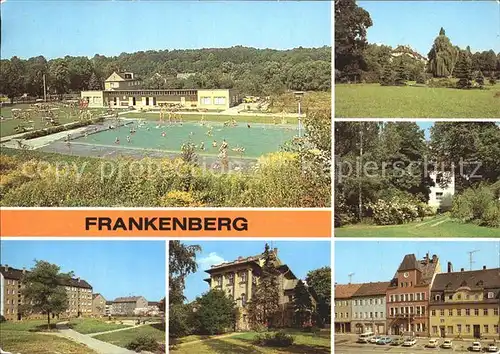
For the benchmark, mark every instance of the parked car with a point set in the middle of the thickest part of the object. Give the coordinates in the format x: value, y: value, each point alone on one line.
x: 476, y: 347
x: 397, y: 341
x: 492, y: 348
x: 409, y: 342
x: 433, y: 343
x: 365, y: 337
x: 447, y: 344
x: 384, y: 340
x: 375, y: 339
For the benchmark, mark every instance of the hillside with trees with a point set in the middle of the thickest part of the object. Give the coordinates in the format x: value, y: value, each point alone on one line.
x: 251, y: 71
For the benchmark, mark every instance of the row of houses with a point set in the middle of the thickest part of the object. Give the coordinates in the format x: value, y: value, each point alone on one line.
x: 124, y: 90
x: 421, y: 299
x: 82, y: 302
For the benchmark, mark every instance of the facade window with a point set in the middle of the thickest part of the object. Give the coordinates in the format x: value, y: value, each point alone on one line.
x: 220, y: 100
x: 491, y: 295
x: 218, y: 280
x: 450, y: 312
x: 243, y: 276
x: 496, y: 329
x: 486, y: 329
x: 433, y: 313
x: 371, y: 301
x: 476, y: 312
x: 459, y: 328
x: 485, y: 312
x: 450, y: 329
x: 459, y: 312
x: 467, y: 328
x: 441, y: 312
x: 243, y: 299
x: 376, y: 314
x: 434, y: 330
x: 206, y: 100
x: 495, y: 311
x: 459, y: 296
x: 467, y: 312
x: 467, y: 297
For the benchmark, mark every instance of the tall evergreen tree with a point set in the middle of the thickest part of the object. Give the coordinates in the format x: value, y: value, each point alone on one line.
x: 387, y: 78
x: 442, y: 56
x: 94, y: 83
x: 302, y: 304
x: 401, y: 75
x: 480, y: 78
x: 463, y: 71
x: 264, y: 303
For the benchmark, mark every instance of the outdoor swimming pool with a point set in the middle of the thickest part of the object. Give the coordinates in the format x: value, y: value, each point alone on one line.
x: 257, y: 140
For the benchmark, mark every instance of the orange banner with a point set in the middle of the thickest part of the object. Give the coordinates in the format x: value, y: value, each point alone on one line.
x: 165, y: 223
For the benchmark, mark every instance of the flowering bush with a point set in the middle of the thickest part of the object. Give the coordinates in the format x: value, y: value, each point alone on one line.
x: 395, y: 211
x: 477, y: 205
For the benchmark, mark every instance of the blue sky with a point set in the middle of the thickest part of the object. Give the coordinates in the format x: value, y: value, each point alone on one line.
x: 300, y: 256
x: 77, y: 27
x: 113, y: 268
x: 379, y: 260
x: 417, y: 23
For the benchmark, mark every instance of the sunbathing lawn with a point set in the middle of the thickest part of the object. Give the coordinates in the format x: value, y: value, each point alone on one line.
x: 304, y: 343
x: 122, y: 338
x: 93, y: 325
x: 440, y: 226
x: 16, y: 337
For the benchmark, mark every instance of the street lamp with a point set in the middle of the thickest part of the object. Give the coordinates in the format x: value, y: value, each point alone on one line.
x: 298, y: 96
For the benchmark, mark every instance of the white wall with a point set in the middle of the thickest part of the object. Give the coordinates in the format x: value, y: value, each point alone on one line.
x: 449, y: 189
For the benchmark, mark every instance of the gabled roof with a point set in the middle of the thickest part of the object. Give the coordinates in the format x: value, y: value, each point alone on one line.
x: 345, y: 291
x: 475, y: 279
x: 97, y: 295
x: 17, y: 274
x: 372, y: 289
x: 127, y: 299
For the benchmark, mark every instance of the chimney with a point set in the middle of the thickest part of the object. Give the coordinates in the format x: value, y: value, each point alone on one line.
x: 461, y: 269
x: 276, y: 251
x: 434, y: 258
x: 6, y: 267
x: 24, y: 270
x: 484, y: 267
x: 450, y: 267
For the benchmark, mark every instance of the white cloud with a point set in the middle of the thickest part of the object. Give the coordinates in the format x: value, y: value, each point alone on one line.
x: 210, y: 260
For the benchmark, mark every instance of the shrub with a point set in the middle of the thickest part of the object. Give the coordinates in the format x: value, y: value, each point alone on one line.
x: 143, y: 343
x: 397, y: 210
x: 446, y: 203
x: 478, y: 205
x: 178, y: 321
x: 274, y: 339
x: 442, y: 82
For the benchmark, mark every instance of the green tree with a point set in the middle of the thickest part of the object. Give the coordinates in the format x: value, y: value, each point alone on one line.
x: 320, y: 281
x: 442, y: 56
x: 59, y: 78
x: 264, y: 303
x: 401, y: 75
x: 182, y: 262
x: 302, y: 304
x: 463, y: 71
x: 94, y: 82
x: 351, y: 24
x: 480, y: 78
x: 12, y: 81
x: 387, y: 78
x: 44, y: 290
x: 215, y: 313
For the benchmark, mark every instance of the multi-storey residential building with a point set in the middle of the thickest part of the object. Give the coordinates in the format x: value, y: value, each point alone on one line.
x: 369, y: 308
x: 239, y: 278
x: 98, y: 305
x: 108, y: 308
x: 128, y: 305
x: 343, y: 306
x: 122, y: 81
x: 466, y: 304
x: 79, y: 294
x: 408, y: 295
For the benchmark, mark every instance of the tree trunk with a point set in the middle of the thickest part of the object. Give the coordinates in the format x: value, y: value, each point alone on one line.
x: 48, y: 320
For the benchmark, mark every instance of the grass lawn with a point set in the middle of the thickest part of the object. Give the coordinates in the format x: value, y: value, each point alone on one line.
x: 16, y: 337
x: 93, y: 325
x: 375, y: 101
x: 122, y: 338
x: 311, y: 100
x: 213, y: 118
x: 440, y: 226
x: 304, y: 343
x: 7, y: 127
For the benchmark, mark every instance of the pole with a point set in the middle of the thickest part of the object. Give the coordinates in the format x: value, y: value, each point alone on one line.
x: 360, y: 199
x: 44, y: 89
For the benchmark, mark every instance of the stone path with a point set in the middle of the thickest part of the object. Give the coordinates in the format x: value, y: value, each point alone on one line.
x: 94, y: 344
x: 208, y: 338
x: 122, y: 329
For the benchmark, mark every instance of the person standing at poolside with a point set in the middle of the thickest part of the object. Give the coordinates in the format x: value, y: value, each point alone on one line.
x: 128, y: 139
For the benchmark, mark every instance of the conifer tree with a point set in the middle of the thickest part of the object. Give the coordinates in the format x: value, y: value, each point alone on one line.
x: 400, y: 79
x: 387, y: 78
x: 480, y: 78
x: 264, y: 303
x: 442, y: 56
x: 463, y: 71
x: 302, y: 304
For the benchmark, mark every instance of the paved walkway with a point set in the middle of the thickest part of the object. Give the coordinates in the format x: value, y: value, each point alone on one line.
x: 208, y: 338
x: 97, y: 345
x: 122, y: 329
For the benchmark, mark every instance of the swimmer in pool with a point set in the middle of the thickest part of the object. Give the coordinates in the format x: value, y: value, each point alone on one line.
x: 202, y: 146
x: 214, y: 144
x: 248, y: 125
x: 117, y: 140
x: 163, y: 134
x: 128, y: 139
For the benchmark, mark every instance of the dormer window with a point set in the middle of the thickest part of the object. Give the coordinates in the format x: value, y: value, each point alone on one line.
x: 438, y: 298
x: 480, y: 283
x: 491, y: 295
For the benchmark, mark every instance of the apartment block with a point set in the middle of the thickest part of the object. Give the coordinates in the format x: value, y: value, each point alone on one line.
x: 369, y: 308
x: 127, y: 306
x: 343, y: 306
x: 79, y: 294
x: 98, y: 305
